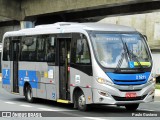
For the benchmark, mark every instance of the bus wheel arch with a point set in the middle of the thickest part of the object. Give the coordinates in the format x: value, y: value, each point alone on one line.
x: 28, y: 93
x: 79, y: 99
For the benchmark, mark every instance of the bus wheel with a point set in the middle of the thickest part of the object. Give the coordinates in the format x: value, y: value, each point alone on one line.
x: 132, y: 107
x: 81, y: 102
x: 29, y: 94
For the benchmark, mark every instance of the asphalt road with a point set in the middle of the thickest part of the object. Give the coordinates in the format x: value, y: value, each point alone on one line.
x: 16, y: 105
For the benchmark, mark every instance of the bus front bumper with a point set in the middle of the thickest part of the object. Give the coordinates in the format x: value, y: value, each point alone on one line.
x: 114, y: 96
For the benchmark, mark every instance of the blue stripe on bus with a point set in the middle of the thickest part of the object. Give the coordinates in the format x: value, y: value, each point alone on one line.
x: 129, y: 79
x: 6, y: 81
x: 28, y: 76
x: 6, y: 76
x: 24, y: 75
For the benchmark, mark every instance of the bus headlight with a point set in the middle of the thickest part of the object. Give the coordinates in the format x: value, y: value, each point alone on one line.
x: 152, y: 80
x: 103, y: 81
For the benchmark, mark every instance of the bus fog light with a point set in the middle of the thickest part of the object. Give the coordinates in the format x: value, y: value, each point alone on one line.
x: 101, y: 99
x: 103, y: 93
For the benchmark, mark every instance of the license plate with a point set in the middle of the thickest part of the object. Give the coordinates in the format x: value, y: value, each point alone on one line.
x: 131, y: 95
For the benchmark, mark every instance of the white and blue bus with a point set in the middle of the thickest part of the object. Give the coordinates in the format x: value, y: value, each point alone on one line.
x: 79, y: 63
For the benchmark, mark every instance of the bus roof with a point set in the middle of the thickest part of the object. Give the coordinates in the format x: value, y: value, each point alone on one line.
x: 65, y: 27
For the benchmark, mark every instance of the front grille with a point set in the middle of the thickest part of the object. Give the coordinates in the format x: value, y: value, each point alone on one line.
x: 129, y: 90
x: 129, y: 82
x: 129, y: 79
x: 129, y: 99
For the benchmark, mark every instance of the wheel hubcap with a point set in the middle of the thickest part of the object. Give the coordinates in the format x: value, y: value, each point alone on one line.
x: 29, y: 94
x: 81, y: 101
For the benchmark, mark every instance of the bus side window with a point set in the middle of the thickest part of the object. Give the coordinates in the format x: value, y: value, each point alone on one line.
x: 28, y: 49
x: 46, y: 49
x: 6, y: 55
x: 41, y: 56
x: 82, y: 51
x: 50, y: 45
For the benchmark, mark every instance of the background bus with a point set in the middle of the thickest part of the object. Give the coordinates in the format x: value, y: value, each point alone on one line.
x: 87, y: 63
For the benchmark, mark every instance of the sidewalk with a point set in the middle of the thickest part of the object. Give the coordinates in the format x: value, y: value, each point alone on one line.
x: 157, y: 92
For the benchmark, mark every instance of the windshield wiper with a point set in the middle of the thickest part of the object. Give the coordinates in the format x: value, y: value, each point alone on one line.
x: 133, y: 56
x: 123, y: 55
x: 120, y: 61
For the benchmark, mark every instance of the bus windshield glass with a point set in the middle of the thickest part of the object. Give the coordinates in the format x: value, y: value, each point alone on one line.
x: 121, y: 50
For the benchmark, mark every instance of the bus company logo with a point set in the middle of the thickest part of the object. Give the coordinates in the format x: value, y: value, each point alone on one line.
x: 6, y: 74
x: 26, y: 73
x: 26, y: 78
x: 77, y: 79
x: 130, y: 87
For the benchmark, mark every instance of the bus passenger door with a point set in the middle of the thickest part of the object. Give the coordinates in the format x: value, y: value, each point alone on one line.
x: 15, y: 57
x: 64, y: 63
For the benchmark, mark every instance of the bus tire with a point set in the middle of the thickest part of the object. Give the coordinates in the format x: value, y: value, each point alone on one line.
x: 29, y: 94
x: 132, y: 107
x: 81, y: 102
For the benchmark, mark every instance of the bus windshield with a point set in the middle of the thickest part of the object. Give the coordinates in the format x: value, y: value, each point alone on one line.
x: 121, y: 50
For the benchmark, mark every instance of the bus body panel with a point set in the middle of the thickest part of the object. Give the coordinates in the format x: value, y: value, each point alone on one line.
x: 36, y: 74
x: 6, y: 75
x: 83, y: 81
x: 88, y: 92
x: 51, y: 92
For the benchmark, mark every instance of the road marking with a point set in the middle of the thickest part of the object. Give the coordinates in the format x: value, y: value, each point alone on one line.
x: 94, y: 118
x: 10, y: 102
x: 26, y: 106
x: 146, y: 110
x: 46, y: 109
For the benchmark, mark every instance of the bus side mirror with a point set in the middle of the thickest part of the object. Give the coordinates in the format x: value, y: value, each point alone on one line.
x: 145, y: 37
